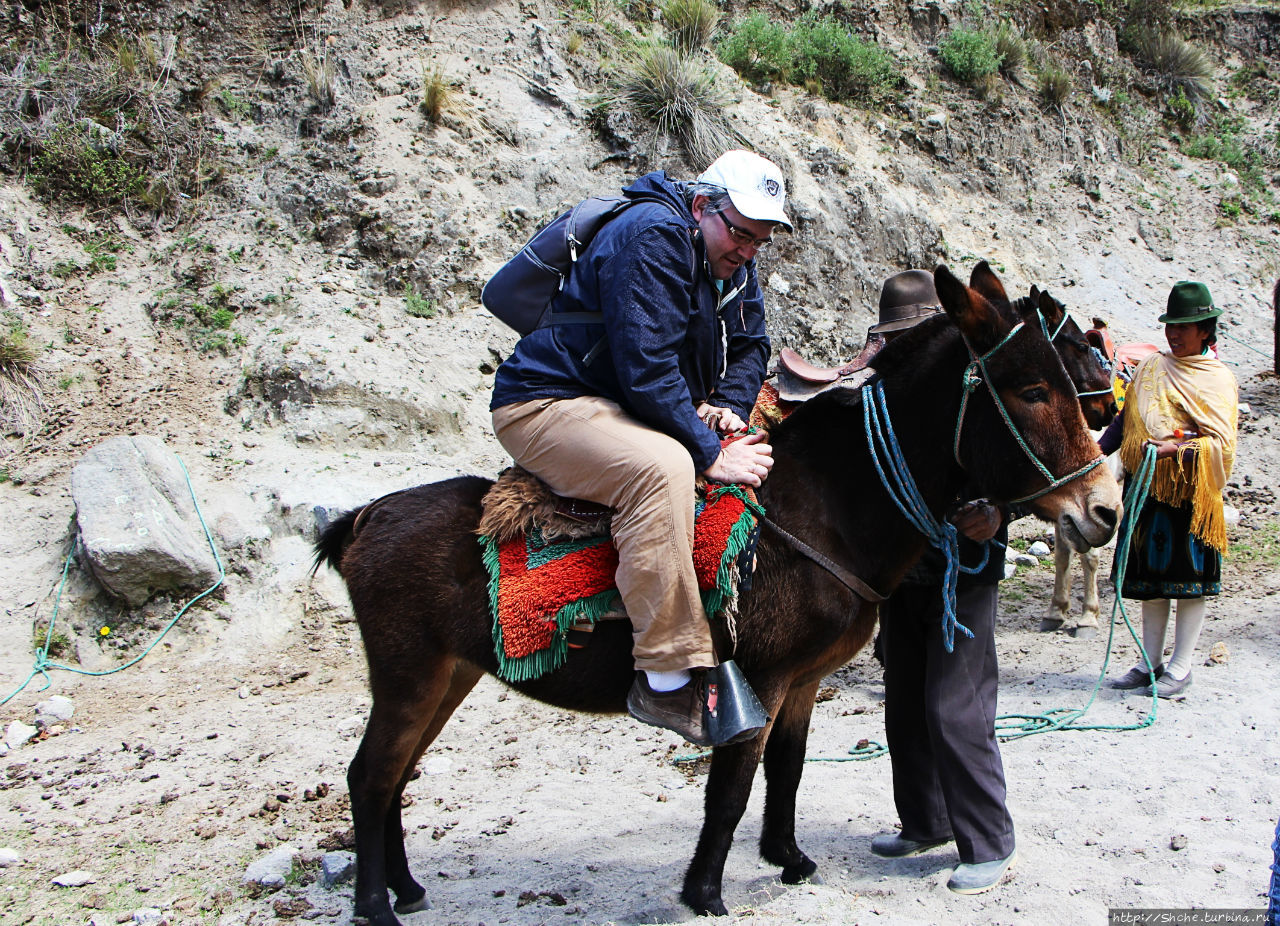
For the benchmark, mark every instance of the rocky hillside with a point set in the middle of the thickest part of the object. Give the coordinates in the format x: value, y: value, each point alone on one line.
x: 259, y: 231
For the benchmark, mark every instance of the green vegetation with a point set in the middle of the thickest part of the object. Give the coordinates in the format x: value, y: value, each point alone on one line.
x: 95, y: 123
x: 970, y: 54
x: 819, y: 53
x: 416, y: 305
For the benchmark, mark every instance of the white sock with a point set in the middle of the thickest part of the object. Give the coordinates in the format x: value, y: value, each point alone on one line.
x: 667, y: 681
x: 1155, y: 618
x: 1186, y: 633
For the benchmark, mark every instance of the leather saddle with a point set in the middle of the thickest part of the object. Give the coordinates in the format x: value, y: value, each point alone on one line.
x: 798, y: 380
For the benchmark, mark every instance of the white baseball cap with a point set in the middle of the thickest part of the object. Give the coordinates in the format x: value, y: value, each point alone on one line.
x: 754, y: 184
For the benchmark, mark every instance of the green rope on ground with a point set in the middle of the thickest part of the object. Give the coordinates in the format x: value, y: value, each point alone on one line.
x: 1016, y: 726
x: 863, y: 750
x: 43, y: 665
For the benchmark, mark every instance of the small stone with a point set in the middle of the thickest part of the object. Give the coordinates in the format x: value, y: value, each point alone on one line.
x: 272, y: 869
x: 17, y: 734
x: 55, y: 710
x: 77, y: 878
x: 1219, y: 867
x: 337, y: 868
x: 351, y: 727
x: 1025, y: 559
x: 1039, y: 548
x: 1231, y: 515
x: 1244, y: 409
x: 1219, y: 655
x: 243, y: 692
x: 1178, y: 843
x: 779, y: 284
x: 148, y: 916
x: 9, y: 857
x: 1010, y: 570
x: 437, y: 765
x: 936, y: 120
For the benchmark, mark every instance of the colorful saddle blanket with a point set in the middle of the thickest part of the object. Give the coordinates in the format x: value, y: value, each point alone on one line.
x: 539, y: 589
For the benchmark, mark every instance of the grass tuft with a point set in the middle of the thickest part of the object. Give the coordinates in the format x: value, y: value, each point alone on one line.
x: 680, y: 96
x: 691, y: 24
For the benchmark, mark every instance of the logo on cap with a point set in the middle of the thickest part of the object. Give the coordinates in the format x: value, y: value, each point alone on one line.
x: 771, y: 186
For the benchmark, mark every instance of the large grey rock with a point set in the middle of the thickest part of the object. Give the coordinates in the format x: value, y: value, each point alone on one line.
x: 138, y: 524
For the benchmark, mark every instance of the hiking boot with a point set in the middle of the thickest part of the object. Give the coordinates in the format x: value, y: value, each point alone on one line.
x: 681, y: 711
x: 1136, y: 678
x: 895, y: 845
x: 976, y: 877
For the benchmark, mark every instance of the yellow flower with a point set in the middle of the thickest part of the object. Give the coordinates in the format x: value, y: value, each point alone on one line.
x: 105, y: 631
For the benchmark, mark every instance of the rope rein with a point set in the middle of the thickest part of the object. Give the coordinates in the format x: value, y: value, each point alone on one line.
x: 882, y: 444
x: 42, y: 664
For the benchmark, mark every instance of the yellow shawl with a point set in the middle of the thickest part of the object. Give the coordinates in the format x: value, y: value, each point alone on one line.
x: 1195, y: 394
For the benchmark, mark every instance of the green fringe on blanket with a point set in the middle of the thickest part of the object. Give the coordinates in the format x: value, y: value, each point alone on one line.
x: 590, y: 610
x: 586, y: 610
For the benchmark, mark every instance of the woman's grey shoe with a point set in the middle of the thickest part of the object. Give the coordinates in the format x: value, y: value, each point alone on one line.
x: 1169, y: 687
x: 1136, y: 678
x: 895, y: 845
x: 980, y: 876
x: 680, y: 711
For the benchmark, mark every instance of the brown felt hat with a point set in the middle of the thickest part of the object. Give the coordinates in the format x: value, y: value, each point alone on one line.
x: 906, y: 299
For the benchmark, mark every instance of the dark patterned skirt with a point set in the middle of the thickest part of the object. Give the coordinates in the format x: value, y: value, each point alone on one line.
x: 1165, y: 559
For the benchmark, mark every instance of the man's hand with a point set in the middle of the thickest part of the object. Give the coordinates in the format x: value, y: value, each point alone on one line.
x: 1165, y: 448
x: 723, y: 420
x: 746, y: 461
x: 978, y: 520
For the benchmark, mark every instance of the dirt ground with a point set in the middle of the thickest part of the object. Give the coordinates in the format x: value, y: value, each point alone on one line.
x: 176, y: 774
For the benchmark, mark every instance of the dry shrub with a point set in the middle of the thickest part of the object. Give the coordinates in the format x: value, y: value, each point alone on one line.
x: 1176, y: 64
x: 437, y: 94
x: 1054, y: 86
x: 1011, y: 46
x: 691, y: 23
x: 679, y: 95
x: 21, y: 399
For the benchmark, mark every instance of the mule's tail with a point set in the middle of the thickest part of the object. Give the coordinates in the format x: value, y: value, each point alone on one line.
x: 334, y: 540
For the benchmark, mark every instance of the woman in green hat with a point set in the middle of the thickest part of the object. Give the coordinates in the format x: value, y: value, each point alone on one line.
x: 1183, y: 402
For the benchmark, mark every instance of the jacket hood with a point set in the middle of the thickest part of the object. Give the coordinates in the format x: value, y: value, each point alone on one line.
x: 657, y: 185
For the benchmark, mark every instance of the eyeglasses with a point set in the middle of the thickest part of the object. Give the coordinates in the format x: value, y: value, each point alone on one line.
x: 742, y: 237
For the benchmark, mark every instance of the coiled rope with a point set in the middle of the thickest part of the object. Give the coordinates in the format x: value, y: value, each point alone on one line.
x: 42, y: 665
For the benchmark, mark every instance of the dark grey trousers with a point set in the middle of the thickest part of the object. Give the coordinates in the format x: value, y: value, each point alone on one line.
x: 939, y: 718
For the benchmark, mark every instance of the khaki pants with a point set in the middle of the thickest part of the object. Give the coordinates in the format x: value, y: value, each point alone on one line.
x: 590, y: 448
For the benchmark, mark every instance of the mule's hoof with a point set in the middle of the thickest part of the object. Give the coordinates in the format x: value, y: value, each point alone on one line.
x: 1085, y: 633
x: 413, y: 906
x: 711, y: 906
x: 801, y: 871
x: 1049, y: 624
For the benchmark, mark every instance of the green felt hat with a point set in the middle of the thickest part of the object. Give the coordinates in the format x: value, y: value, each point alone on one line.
x: 1189, y: 303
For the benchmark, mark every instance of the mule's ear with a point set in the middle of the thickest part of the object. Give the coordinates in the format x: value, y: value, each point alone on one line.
x: 1052, y: 310
x: 977, y: 318
x: 985, y: 281
x: 1035, y: 293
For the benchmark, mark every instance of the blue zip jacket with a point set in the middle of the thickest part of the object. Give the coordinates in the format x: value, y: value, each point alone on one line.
x: 668, y: 339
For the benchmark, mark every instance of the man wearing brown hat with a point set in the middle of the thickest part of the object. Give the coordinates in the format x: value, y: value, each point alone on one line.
x: 940, y: 707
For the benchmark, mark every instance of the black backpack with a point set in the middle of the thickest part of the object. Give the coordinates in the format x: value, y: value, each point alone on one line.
x: 520, y: 293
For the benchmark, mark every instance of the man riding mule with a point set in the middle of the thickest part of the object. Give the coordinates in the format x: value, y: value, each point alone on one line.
x: 836, y: 540
x: 656, y: 341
